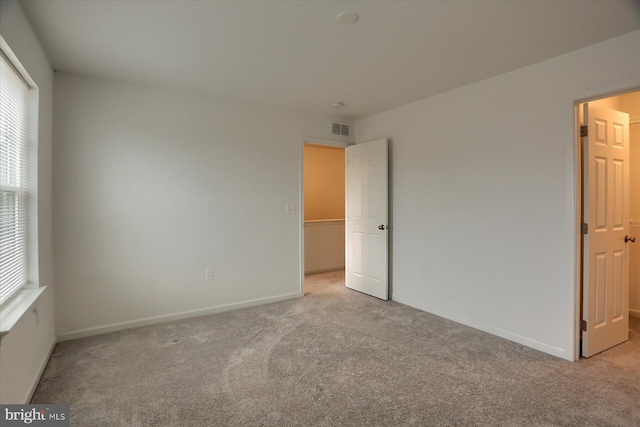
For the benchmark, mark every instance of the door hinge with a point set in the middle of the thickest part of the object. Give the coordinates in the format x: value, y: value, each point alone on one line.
x: 584, y: 131
x: 585, y: 228
x: 583, y: 325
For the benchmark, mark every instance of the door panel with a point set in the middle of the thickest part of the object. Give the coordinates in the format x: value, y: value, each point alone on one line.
x: 367, y: 210
x: 606, y: 210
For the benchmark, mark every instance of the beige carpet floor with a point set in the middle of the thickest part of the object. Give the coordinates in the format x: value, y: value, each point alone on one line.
x: 334, y: 358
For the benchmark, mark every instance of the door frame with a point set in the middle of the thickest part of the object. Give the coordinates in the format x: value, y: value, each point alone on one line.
x: 625, y: 87
x: 315, y: 141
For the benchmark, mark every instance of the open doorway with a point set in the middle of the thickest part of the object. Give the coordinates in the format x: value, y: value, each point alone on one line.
x: 610, y: 280
x: 323, y: 201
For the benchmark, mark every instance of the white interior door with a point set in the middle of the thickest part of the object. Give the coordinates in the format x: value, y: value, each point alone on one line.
x: 606, y: 212
x: 367, y: 218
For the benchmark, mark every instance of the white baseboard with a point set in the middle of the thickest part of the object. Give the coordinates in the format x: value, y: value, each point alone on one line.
x: 36, y: 380
x: 170, y: 317
x: 634, y: 313
x: 537, y: 345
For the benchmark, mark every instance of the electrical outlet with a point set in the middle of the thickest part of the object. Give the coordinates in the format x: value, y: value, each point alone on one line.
x: 423, y: 272
x: 208, y: 274
x: 290, y: 209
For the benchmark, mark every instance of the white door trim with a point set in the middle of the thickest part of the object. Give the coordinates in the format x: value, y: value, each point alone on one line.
x: 593, y: 95
x: 315, y: 141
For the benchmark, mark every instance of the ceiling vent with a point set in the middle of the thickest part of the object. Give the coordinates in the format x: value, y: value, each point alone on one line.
x: 340, y: 129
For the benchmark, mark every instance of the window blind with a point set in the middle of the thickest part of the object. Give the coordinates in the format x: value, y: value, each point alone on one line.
x: 15, y: 139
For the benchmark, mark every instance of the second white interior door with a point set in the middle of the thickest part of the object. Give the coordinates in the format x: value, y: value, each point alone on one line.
x: 367, y: 218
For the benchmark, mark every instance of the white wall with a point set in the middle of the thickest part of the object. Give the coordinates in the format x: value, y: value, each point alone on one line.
x: 25, y: 350
x: 153, y: 186
x: 483, y: 191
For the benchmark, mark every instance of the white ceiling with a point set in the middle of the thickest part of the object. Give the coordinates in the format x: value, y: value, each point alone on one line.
x: 294, y: 54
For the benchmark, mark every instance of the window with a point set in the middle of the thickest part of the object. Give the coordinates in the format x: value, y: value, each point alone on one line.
x: 16, y: 142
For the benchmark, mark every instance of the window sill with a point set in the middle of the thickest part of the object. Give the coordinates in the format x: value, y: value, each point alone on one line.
x: 13, y: 311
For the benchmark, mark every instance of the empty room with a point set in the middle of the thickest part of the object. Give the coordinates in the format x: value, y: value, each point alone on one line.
x: 319, y: 213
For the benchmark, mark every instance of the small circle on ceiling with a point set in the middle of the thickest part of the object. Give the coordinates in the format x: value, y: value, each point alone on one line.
x: 348, y: 18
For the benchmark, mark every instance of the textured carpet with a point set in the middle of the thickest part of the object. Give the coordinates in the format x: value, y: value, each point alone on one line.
x: 334, y: 358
